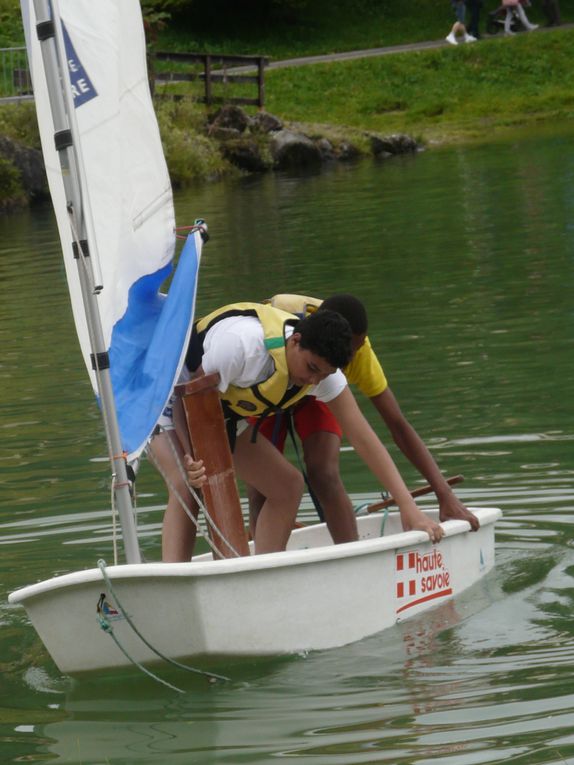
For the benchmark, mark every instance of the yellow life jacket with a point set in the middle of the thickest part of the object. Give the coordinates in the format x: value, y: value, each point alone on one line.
x: 272, y: 394
x: 300, y: 305
x: 364, y: 370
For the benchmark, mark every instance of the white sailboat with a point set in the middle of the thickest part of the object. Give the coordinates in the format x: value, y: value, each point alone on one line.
x: 112, y: 197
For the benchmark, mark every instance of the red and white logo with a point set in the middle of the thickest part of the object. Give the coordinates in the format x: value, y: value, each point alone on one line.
x: 420, y: 577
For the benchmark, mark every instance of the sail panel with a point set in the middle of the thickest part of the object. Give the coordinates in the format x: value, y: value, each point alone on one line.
x: 127, y: 204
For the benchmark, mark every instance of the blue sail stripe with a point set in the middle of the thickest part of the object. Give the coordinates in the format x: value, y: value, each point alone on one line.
x: 147, y: 345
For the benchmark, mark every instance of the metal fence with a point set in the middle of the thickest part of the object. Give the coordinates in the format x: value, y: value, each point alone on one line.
x: 15, y: 84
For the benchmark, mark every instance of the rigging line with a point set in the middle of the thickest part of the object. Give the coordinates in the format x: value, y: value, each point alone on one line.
x: 200, y: 504
x: 114, y: 510
x: 107, y: 627
x: 206, y: 514
x: 172, y: 488
x: 384, y: 521
x: 97, y: 370
x: 114, y: 526
x: 198, y: 500
x: 89, y: 279
x: 314, y: 499
x: 211, y: 523
x: 212, y: 676
x: 196, y: 496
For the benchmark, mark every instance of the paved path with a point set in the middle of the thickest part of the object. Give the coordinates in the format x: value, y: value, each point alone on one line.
x: 386, y: 51
x: 352, y: 54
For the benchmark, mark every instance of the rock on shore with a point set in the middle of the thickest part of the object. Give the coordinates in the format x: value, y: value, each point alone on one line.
x: 24, y: 175
x: 264, y: 142
x: 252, y: 144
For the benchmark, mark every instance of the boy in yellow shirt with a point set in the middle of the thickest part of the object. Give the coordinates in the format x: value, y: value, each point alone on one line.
x: 321, y: 434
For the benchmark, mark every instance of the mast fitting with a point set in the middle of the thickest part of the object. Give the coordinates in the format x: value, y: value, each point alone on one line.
x: 83, y: 246
x: 63, y: 139
x: 45, y: 30
x: 100, y: 361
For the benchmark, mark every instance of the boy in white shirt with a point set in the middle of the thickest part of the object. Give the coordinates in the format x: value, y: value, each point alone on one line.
x: 268, y: 369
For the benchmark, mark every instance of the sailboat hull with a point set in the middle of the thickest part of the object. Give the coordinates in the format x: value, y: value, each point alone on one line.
x: 313, y: 596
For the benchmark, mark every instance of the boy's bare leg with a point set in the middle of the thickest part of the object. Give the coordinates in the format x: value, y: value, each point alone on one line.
x: 178, y: 533
x: 256, y: 501
x: 321, y: 453
x: 263, y: 467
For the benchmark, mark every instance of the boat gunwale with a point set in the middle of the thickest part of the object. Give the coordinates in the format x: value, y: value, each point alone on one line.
x: 283, y: 559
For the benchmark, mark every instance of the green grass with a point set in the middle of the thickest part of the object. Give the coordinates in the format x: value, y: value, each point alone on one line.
x: 444, y: 94
x: 319, y: 26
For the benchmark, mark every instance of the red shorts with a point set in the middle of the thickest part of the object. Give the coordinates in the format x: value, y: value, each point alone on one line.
x: 309, y: 416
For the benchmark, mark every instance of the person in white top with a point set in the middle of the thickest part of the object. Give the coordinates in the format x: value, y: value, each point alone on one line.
x: 235, y: 349
x: 515, y: 7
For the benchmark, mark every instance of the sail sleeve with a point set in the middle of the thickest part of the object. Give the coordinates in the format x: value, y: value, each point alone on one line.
x: 149, y: 345
x: 127, y: 204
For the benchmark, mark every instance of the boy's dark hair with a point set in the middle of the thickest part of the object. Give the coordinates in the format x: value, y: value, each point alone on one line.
x: 328, y: 335
x: 351, y: 308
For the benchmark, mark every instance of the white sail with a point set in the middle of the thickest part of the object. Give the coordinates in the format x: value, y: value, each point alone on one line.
x: 126, y: 201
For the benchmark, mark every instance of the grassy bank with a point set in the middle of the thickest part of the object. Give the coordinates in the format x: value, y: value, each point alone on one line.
x: 462, y: 93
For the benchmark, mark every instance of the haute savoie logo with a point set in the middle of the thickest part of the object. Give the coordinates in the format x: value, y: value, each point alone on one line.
x: 420, y: 577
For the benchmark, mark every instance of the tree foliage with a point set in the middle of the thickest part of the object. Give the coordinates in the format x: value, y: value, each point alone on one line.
x: 11, y: 32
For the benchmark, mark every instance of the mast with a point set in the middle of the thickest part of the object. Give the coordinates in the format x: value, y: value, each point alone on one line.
x: 56, y: 79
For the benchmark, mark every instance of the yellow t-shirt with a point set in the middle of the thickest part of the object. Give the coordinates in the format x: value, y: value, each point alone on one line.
x: 364, y: 371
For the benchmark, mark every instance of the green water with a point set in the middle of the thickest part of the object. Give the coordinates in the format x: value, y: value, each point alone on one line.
x: 464, y: 258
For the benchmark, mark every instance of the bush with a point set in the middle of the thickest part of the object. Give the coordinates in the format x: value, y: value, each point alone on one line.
x: 11, y: 31
x: 190, y: 155
x: 11, y: 191
x: 18, y: 121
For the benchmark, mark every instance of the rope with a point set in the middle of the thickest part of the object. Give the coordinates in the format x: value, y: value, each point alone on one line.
x: 97, y: 370
x: 114, y: 521
x: 314, y: 499
x: 385, y: 516
x: 359, y: 509
x: 170, y: 485
x: 197, y: 499
x: 210, y: 675
x: 107, y: 627
x: 199, y: 225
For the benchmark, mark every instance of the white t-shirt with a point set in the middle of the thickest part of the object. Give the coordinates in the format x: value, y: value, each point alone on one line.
x: 235, y: 348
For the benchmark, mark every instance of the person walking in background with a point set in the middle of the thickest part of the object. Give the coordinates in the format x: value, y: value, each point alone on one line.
x: 512, y: 7
x: 458, y: 32
x: 551, y: 10
x: 474, y: 7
